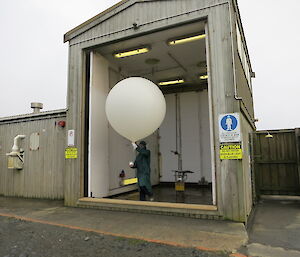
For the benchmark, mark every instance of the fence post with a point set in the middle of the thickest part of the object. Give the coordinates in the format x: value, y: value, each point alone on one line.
x: 255, y: 191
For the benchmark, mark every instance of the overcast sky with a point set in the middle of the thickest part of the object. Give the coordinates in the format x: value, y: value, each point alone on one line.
x: 33, y: 57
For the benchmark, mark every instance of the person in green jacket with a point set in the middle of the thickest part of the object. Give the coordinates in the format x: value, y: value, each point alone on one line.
x: 142, y: 164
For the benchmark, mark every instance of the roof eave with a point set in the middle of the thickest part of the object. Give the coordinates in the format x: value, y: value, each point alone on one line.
x: 75, y: 31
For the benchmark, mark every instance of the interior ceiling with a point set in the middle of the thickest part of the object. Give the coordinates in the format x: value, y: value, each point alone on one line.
x: 186, y: 61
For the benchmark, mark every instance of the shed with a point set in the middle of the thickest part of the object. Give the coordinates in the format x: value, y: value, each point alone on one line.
x: 215, y: 72
x: 195, y: 51
x: 42, y: 147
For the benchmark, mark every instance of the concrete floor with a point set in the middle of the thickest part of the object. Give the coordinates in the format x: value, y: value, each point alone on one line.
x: 275, y: 231
x: 19, y: 238
x: 181, y: 231
x: 165, y: 192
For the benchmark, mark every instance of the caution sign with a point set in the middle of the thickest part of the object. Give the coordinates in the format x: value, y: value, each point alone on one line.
x: 231, y: 152
x: 71, y: 153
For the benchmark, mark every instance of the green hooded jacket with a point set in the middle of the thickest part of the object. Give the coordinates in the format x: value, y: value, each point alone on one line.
x: 142, y: 164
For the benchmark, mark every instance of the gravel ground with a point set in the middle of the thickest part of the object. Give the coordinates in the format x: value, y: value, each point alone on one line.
x: 26, y: 239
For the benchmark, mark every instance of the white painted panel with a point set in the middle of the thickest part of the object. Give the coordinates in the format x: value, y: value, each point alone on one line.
x: 190, y: 131
x: 98, y: 136
x: 120, y: 151
x: 34, y: 141
x: 196, y: 152
x: 152, y: 145
x: 167, y: 142
x: 120, y: 154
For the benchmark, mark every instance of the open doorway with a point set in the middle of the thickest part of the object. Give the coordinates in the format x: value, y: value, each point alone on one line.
x: 176, y: 60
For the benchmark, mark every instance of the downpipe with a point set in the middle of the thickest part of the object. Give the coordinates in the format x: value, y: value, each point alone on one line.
x: 236, y: 97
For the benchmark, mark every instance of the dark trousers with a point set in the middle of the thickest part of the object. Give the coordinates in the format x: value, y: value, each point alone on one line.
x: 143, y: 192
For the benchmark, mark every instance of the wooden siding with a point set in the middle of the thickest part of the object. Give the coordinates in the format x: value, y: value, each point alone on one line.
x: 277, y: 162
x: 152, y: 16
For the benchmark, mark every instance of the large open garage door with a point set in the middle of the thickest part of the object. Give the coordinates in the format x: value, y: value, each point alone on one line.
x: 276, y: 162
x: 176, y: 60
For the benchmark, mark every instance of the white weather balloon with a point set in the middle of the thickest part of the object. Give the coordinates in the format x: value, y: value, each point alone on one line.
x: 135, y: 108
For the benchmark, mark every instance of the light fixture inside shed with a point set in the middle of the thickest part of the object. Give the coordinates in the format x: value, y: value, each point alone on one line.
x: 268, y: 135
x: 132, y: 52
x: 171, y: 82
x: 185, y: 39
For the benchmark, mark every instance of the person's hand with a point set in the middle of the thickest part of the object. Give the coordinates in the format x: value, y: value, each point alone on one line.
x: 134, y: 145
x: 131, y: 164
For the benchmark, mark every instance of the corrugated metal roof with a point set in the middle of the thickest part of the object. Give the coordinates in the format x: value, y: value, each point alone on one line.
x: 34, y: 115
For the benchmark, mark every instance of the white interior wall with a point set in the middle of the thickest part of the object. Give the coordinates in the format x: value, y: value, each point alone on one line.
x: 110, y: 153
x: 205, y: 136
x: 98, y: 125
x: 167, y: 141
x: 121, y: 152
x: 195, y: 137
x: 152, y: 145
x: 190, y: 127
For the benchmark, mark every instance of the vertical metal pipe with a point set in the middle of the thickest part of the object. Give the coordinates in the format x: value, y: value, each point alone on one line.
x: 233, y: 55
x: 201, y: 150
x: 176, y: 122
x: 178, y: 132
x: 90, y: 194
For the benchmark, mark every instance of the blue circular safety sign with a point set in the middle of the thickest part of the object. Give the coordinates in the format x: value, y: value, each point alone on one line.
x: 229, y: 123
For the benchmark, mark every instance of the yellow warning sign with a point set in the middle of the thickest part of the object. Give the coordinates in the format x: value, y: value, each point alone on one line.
x: 231, y: 152
x: 71, y: 153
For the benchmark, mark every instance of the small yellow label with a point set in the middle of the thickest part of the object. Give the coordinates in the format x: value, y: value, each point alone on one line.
x: 231, y: 152
x: 129, y: 181
x: 71, y: 153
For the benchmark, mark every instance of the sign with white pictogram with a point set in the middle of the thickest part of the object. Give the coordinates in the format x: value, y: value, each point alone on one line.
x: 71, y: 137
x: 229, y: 127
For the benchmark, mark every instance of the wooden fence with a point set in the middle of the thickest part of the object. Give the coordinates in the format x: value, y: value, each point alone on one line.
x: 276, y: 162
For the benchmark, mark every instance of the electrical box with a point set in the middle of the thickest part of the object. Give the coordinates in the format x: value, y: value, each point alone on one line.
x: 15, y: 162
x: 15, y: 159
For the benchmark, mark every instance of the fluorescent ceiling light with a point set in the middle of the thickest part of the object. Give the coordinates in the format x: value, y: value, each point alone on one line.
x: 171, y: 82
x: 132, y: 52
x: 205, y: 76
x: 186, y: 39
